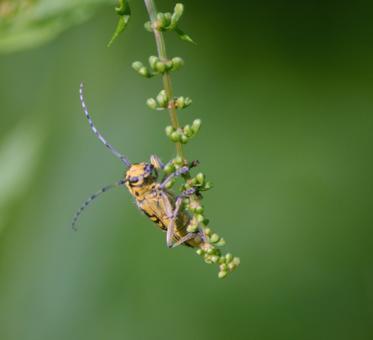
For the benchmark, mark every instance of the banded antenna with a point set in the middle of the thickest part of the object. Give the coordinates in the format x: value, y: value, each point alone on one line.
x: 116, y: 153
x: 92, y: 198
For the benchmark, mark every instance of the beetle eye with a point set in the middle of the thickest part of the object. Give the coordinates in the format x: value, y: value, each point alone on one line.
x: 134, y: 179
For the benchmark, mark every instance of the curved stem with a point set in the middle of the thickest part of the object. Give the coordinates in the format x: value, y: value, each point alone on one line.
x: 167, y: 84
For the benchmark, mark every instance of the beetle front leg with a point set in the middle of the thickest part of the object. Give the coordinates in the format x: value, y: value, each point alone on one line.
x: 179, y: 172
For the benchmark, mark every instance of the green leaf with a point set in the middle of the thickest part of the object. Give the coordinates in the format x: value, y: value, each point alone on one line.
x: 124, y: 11
x: 183, y: 36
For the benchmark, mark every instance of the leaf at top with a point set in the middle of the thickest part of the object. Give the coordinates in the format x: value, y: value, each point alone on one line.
x: 124, y: 12
x: 183, y: 36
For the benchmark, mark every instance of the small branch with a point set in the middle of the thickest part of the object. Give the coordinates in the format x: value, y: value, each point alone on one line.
x: 167, y: 84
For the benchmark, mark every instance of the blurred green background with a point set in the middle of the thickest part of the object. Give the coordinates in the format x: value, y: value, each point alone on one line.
x: 284, y: 89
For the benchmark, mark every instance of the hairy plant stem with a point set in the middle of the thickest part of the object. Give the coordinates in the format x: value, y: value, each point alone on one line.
x: 167, y: 84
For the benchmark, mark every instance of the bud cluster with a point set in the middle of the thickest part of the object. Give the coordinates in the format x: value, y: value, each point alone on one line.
x: 166, y: 21
x: 183, y: 135
x: 157, y: 66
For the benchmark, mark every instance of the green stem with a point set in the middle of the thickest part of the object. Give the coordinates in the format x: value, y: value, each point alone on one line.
x: 167, y: 84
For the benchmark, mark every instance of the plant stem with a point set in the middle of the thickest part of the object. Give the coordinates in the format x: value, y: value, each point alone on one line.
x: 167, y: 84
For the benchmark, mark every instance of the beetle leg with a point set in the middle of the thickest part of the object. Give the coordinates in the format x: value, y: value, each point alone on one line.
x: 156, y: 162
x: 171, y: 227
x: 183, y: 170
x: 185, y: 238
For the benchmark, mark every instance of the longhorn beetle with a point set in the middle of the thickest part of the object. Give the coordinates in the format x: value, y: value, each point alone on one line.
x: 151, y: 195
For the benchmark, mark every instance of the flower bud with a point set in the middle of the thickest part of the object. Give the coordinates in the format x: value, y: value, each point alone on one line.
x: 207, y: 231
x: 222, y: 274
x: 192, y: 228
x: 221, y: 243
x: 169, y: 129
x: 177, y: 63
x: 188, y: 131
x: 169, y: 167
x: 196, y: 125
x: 151, y: 102
x: 178, y: 12
x: 229, y: 257
x: 214, y: 238
x: 137, y: 65
x: 200, y: 177
x: 144, y: 72
x: 167, y: 17
x: 184, y: 139
x: 162, y: 21
x: 200, y: 252
x: 148, y: 26
x: 175, y: 136
x: 178, y: 161
x: 179, y: 103
x: 162, y: 99
x: 160, y: 67
x: 188, y: 102
x: 152, y: 61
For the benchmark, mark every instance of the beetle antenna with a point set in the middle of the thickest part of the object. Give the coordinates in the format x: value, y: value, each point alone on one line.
x: 91, y: 198
x: 98, y: 134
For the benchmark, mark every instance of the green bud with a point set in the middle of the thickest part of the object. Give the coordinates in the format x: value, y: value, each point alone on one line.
x: 162, y: 99
x: 222, y: 274
x: 175, y: 136
x: 200, y: 218
x: 188, y: 131
x: 178, y: 160
x: 169, y: 167
x: 178, y: 12
x: 199, y: 209
x: 168, y: 65
x: 148, y: 26
x: 196, y: 125
x: 152, y: 61
x: 162, y: 21
x: 168, y: 17
x: 200, y: 252
x: 188, y: 102
x: 179, y: 103
x: 151, y: 102
x: 200, y: 177
x: 236, y: 261
x: 206, y: 221
x: 207, y: 231
x: 214, y: 238
x: 169, y: 129
x: 221, y: 243
x: 137, y: 65
x: 144, y: 72
x: 229, y: 257
x: 207, y: 186
x: 160, y: 67
x: 177, y: 63
x: 192, y: 228
x: 184, y: 139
